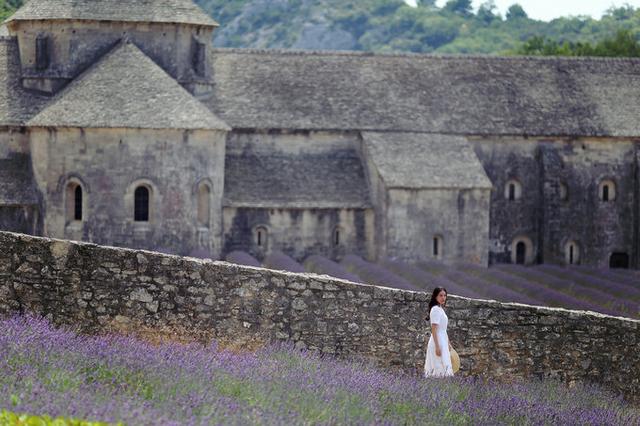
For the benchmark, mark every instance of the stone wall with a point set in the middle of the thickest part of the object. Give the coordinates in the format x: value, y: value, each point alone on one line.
x: 458, y: 218
x: 549, y: 221
x: 109, y: 164
x: 75, y: 45
x: 94, y: 287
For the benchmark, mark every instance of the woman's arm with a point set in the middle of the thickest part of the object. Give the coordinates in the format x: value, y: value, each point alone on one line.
x: 434, y: 330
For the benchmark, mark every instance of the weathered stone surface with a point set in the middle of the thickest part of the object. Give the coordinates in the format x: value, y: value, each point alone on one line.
x: 494, y: 340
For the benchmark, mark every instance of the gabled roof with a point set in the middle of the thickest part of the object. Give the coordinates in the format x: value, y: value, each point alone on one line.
x: 166, y: 11
x: 17, y: 187
x: 126, y: 89
x: 425, y: 161
x: 466, y: 95
x: 16, y: 104
x: 323, y: 180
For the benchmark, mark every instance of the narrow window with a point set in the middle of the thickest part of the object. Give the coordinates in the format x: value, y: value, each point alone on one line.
x: 204, y: 201
x: 607, y: 191
x: 436, y: 247
x: 336, y: 237
x: 77, y: 207
x: 521, y: 253
x: 73, y: 202
x: 512, y: 190
x: 42, y: 53
x: 141, y: 204
x: 198, y: 59
x: 261, y: 236
x: 571, y: 260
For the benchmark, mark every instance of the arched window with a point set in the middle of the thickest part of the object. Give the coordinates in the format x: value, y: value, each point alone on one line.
x: 260, y: 236
x: 74, y: 202
x: 513, y: 190
x: 607, y: 191
x: 563, y: 191
x: 572, y: 253
x: 204, y: 205
x: 522, y: 251
x: 619, y: 260
x: 141, y: 204
x: 436, y: 247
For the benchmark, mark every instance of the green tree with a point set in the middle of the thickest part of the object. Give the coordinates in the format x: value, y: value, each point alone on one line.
x: 487, y: 12
x: 426, y: 3
x: 462, y: 7
x: 516, y: 11
x: 623, y: 44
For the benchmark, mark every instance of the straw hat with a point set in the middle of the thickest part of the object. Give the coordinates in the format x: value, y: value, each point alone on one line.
x: 455, y: 360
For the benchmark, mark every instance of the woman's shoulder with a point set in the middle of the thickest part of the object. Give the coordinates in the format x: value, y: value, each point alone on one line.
x: 436, y: 308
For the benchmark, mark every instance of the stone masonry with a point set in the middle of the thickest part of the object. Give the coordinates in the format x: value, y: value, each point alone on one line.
x: 91, y: 287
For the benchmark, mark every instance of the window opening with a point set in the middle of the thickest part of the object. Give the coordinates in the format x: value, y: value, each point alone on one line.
x: 521, y: 253
x: 42, y: 52
x: 77, y: 211
x: 141, y: 204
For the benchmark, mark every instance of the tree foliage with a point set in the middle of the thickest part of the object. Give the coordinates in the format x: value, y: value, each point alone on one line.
x: 392, y: 25
x: 623, y: 44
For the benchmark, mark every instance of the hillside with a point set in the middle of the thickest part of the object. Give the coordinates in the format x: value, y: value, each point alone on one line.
x: 391, y: 25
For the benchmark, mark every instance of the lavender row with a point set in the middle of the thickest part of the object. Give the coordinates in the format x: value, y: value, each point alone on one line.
x: 322, y: 265
x: 592, y: 278
x: 372, y: 273
x: 279, y: 260
x: 544, y: 286
x: 497, y: 277
x: 489, y: 289
x: 608, y: 302
x: 242, y: 258
x: 426, y: 280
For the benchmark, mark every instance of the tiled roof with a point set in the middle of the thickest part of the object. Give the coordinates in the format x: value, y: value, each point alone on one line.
x: 167, y: 11
x: 16, y: 104
x: 126, y: 89
x: 425, y: 161
x: 329, y: 180
x: 479, y: 95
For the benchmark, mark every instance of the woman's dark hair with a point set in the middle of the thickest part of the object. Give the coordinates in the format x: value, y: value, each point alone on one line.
x: 433, y: 302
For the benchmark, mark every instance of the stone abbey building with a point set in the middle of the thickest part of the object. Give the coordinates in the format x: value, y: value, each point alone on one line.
x: 121, y: 125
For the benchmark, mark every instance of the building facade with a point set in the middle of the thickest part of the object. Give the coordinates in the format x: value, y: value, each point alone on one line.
x: 121, y: 125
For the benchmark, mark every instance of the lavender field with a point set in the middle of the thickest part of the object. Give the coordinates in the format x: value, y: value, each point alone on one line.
x: 612, y: 292
x: 53, y: 372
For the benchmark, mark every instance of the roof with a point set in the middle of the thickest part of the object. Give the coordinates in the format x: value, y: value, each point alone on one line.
x: 321, y: 180
x: 165, y: 11
x: 16, y: 181
x: 16, y: 104
x: 467, y: 95
x: 126, y: 89
x: 425, y: 161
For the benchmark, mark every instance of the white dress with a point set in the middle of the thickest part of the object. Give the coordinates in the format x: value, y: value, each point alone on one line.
x: 438, y: 366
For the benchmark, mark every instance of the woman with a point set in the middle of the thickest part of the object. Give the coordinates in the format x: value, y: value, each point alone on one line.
x: 438, y: 362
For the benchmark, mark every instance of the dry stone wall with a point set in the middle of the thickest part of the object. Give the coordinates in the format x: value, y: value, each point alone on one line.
x: 93, y: 287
